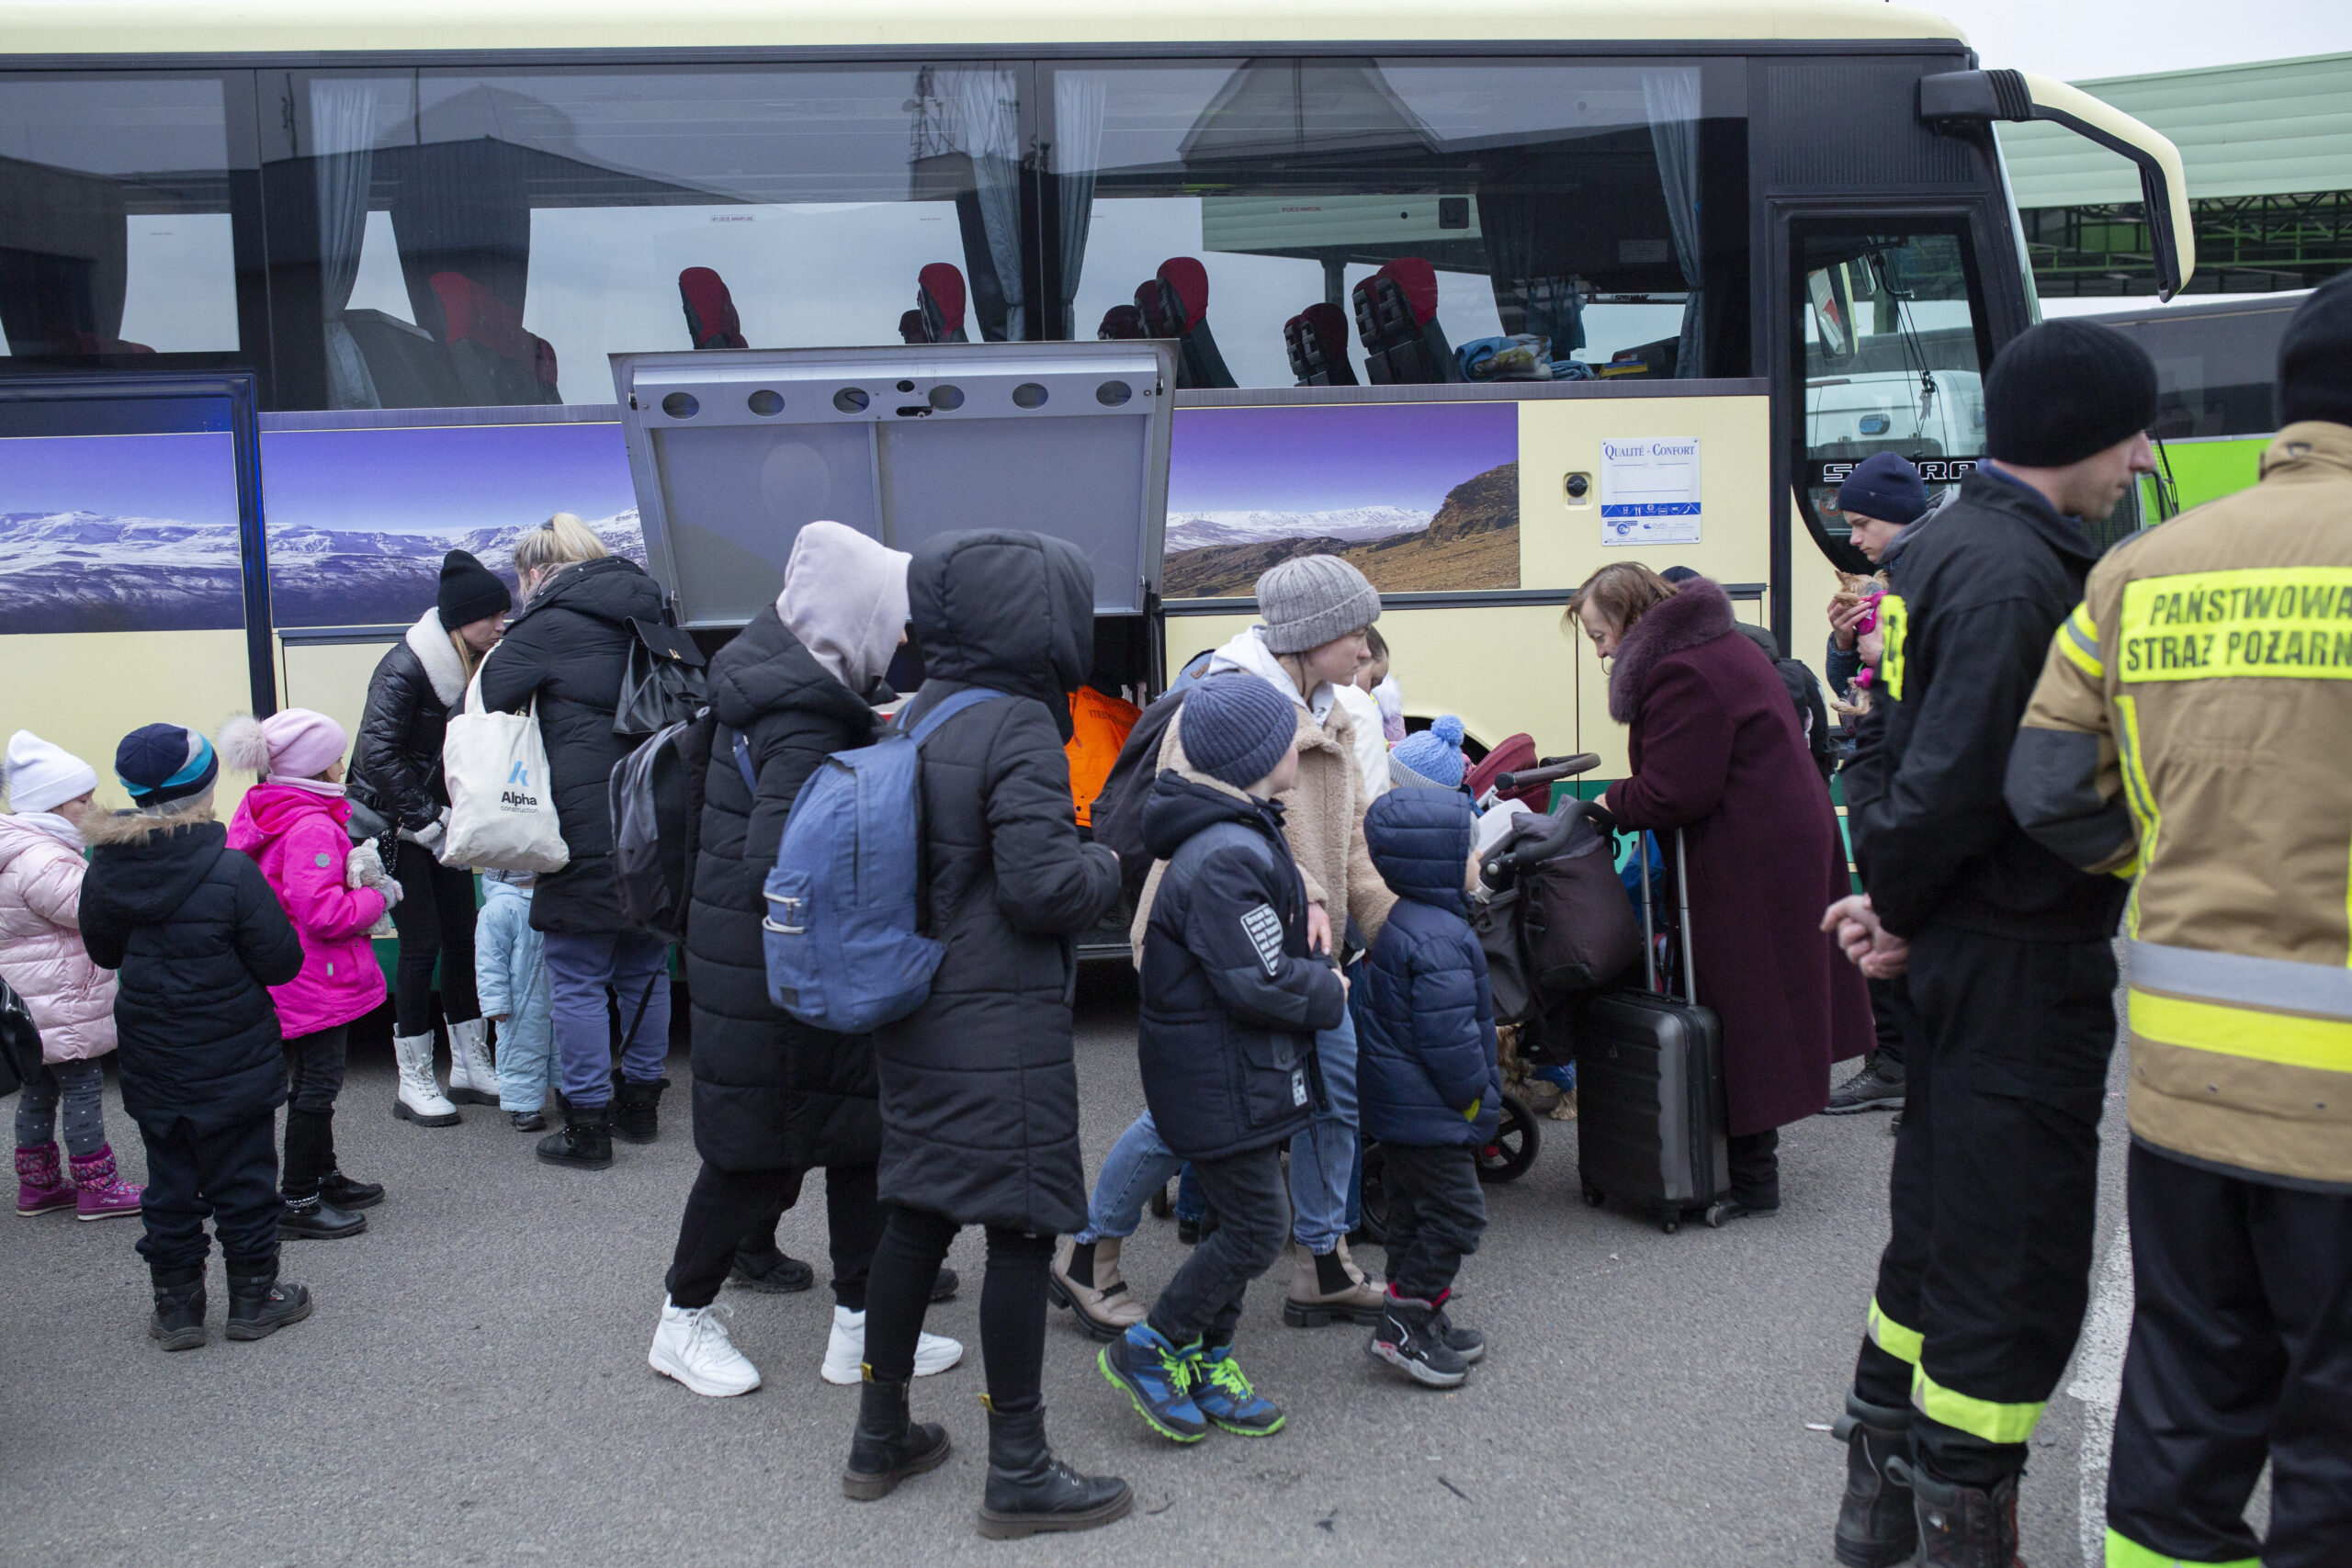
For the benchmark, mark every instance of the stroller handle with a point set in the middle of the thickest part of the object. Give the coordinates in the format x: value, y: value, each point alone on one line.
x: 1553, y: 770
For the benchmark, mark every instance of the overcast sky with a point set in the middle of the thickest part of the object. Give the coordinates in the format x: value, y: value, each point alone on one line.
x: 2075, y: 39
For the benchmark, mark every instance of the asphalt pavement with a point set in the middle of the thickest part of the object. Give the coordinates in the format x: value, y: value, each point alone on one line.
x: 472, y: 1387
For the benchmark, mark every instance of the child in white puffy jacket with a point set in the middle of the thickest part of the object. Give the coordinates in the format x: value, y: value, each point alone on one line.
x: 511, y: 973
x: 71, y: 998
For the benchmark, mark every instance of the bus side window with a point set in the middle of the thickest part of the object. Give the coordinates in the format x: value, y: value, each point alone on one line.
x: 1541, y: 220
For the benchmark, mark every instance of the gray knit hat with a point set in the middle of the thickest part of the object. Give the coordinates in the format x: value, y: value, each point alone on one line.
x: 1235, y: 726
x: 1309, y: 600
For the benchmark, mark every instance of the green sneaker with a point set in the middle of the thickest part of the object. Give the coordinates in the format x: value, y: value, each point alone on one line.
x: 1222, y: 1391
x: 1158, y: 1378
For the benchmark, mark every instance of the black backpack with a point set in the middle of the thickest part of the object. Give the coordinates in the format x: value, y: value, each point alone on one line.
x: 663, y: 682
x: 1118, y: 810
x: 656, y: 798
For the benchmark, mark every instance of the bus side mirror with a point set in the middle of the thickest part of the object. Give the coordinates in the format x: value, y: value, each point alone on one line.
x: 1954, y: 98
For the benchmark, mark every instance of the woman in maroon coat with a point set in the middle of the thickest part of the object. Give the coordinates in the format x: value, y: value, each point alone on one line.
x: 1717, y: 751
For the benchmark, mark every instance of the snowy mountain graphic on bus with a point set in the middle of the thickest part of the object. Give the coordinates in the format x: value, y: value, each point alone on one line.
x: 84, y: 571
x: 1198, y: 530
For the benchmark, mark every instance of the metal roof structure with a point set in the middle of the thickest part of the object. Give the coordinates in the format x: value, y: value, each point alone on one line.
x: 2276, y: 127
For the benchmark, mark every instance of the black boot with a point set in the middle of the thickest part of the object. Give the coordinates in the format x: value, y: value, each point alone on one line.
x: 637, y: 1109
x: 1029, y: 1490
x: 585, y: 1143
x: 259, y: 1306
x: 888, y: 1447
x: 1962, y: 1527
x: 1875, y: 1525
x: 339, y: 1190
x: 773, y: 1271
x: 312, y: 1218
x: 178, y: 1323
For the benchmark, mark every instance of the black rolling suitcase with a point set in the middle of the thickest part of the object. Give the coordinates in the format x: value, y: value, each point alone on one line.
x: 1650, y: 1126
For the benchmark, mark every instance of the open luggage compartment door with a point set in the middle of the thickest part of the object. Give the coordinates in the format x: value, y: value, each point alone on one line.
x: 732, y: 451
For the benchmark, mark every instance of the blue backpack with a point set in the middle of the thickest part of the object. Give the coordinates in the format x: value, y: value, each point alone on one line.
x: 842, y: 950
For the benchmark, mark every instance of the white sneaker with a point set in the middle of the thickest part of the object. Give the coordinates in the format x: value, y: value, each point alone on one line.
x: 691, y: 1344
x: 846, y: 1351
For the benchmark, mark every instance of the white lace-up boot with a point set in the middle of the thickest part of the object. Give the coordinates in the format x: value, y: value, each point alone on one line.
x: 846, y: 1351
x: 473, y: 1080
x: 691, y: 1344
x: 420, y: 1098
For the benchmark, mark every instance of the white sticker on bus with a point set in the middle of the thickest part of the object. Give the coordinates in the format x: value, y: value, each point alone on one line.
x: 1649, y: 491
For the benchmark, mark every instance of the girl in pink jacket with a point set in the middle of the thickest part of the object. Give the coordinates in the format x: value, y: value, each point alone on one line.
x: 71, y: 999
x: 294, y: 823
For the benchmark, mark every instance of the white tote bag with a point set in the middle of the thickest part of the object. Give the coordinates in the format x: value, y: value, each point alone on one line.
x: 501, y: 804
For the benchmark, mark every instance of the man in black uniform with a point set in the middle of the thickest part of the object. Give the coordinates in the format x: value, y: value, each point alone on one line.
x: 2007, y: 972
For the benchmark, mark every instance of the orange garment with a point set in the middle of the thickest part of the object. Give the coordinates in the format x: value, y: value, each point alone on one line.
x: 1098, y: 727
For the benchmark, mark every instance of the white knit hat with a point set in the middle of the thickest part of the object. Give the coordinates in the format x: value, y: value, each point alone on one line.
x: 42, y: 777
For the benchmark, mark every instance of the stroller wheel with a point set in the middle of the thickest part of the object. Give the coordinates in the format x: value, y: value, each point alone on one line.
x: 1518, y: 1136
x: 1713, y: 1216
x: 1670, y: 1224
x: 1373, y: 1165
x: 1163, y: 1203
x: 1595, y: 1197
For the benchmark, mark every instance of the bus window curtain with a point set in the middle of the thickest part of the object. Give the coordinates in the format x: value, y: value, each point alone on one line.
x: 987, y: 120
x: 342, y: 134
x: 1670, y: 99
x: 1079, y: 100
x: 1527, y: 227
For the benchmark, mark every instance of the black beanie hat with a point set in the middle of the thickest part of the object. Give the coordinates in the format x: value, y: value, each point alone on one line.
x: 469, y: 592
x: 1884, y: 488
x: 2064, y: 390
x: 2316, y: 356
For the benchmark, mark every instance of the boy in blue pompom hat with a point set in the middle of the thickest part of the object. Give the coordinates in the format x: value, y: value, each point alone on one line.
x: 198, y: 937
x: 1431, y: 759
x: 1232, y: 1000
x: 1428, y: 1075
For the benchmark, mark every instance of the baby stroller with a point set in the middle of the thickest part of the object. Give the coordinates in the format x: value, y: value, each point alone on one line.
x: 1547, y: 921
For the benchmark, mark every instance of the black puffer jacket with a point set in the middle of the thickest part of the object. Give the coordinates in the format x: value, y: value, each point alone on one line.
x: 979, y: 1091
x: 199, y: 939
x: 570, y: 646
x: 770, y: 1092
x: 396, y: 763
x: 1231, y: 1000
x: 1976, y: 601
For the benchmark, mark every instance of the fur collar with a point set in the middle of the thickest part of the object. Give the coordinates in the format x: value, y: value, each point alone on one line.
x: 1699, y: 613
x: 429, y: 641
x: 137, y: 826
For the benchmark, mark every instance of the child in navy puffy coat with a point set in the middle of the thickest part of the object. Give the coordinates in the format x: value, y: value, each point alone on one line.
x: 1232, y: 1000
x: 1426, y: 1075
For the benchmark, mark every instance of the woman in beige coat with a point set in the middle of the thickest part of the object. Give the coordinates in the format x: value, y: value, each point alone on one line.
x: 71, y: 998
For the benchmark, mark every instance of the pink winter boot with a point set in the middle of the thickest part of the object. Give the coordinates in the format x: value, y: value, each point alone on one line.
x: 41, y: 1185
x: 104, y: 1196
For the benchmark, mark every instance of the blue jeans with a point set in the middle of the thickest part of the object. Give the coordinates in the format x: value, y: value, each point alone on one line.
x: 1323, y: 1158
x: 579, y: 968
x: 1139, y: 1165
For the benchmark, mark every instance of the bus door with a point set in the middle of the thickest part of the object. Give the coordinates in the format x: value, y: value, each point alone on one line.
x: 132, y: 585
x: 1886, y: 329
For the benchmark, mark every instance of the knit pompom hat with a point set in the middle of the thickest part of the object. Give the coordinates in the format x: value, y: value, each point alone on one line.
x: 1235, y: 726
x: 292, y: 743
x: 1311, y: 600
x: 1431, y: 759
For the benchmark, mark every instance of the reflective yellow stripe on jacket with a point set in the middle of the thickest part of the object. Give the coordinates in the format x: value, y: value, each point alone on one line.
x: 2266, y: 1009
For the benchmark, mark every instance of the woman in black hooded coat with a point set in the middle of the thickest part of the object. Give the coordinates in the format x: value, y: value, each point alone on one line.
x: 979, y: 1085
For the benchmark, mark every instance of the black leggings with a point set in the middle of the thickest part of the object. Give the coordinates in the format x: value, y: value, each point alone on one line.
x: 1012, y: 1304
x: 729, y: 1210
x: 436, y: 921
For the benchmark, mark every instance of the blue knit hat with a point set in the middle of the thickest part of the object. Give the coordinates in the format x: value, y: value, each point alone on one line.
x: 1886, y: 488
x: 161, y: 764
x: 1431, y: 758
x: 1235, y: 726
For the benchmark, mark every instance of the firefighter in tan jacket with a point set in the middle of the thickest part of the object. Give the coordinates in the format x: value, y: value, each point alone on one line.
x: 2193, y: 729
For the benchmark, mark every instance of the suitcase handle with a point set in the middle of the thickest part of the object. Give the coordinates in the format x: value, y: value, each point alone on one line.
x: 1682, y: 895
